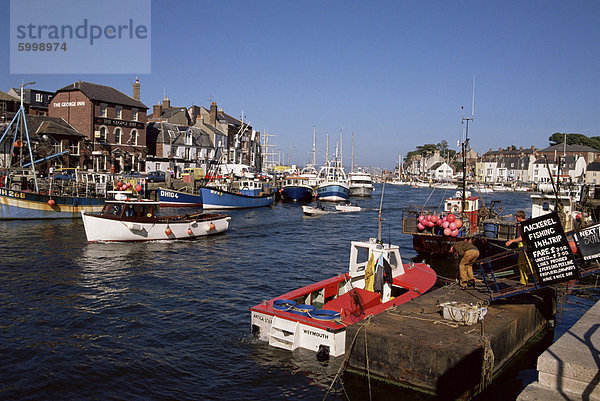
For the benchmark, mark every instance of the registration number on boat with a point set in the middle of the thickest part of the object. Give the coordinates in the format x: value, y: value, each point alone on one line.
x: 12, y: 194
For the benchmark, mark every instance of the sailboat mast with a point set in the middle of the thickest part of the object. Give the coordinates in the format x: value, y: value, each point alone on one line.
x: 465, y: 146
x: 314, y: 149
x: 352, y: 167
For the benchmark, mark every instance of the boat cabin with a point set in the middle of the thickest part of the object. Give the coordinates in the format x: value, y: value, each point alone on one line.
x: 125, y: 209
x: 471, y: 210
x: 247, y: 187
x: 361, y: 252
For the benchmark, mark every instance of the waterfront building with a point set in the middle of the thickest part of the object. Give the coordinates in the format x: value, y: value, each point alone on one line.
x: 592, y: 173
x: 52, y: 138
x: 114, y: 124
x: 35, y: 101
x: 441, y: 172
x: 176, y: 147
x: 8, y: 104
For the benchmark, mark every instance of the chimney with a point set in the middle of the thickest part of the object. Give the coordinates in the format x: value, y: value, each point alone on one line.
x: 136, y: 89
x: 166, y: 104
x: 156, y: 111
x: 213, y: 114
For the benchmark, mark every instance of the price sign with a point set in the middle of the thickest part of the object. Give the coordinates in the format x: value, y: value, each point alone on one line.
x: 549, y: 250
x: 588, y: 242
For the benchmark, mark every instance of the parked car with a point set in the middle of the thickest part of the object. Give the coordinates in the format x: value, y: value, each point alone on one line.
x: 156, y: 176
x: 64, y: 175
x: 131, y: 174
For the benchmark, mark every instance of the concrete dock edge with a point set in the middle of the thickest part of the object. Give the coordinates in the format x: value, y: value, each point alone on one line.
x: 570, y: 368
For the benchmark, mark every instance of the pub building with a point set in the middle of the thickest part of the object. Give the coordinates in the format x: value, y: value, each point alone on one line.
x: 114, y: 123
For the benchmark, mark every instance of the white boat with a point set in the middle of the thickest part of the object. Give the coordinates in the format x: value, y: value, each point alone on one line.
x: 314, y: 211
x: 360, y: 183
x: 348, y: 208
x: 139, y: 220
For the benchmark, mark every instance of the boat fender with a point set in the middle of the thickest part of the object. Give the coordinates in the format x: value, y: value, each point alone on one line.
x: 168, y: 231
x: 134, y: 227
x: 189, y: 231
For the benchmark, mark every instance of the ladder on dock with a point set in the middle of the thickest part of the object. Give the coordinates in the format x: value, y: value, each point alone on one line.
x: 284, y: 333
x: 500, y: 274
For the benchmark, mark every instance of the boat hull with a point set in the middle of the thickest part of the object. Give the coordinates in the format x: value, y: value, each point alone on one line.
x: 103, y: 229
x: 24, y: 205
x: 172, y: 198
x: 336, y: 192
x: 361, y: 191
x: 297, y: 194
x: 217, y: 199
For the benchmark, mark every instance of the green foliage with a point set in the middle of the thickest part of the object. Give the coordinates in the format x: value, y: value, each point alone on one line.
x: 574, y: 139
x: 430, y: 148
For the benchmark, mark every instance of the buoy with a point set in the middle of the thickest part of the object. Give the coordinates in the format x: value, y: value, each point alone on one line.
x: 18, y: 143
x: 138, y: 188
x: 452, y: 226
x: 450, y: 217
x: 168, y: 231
x: 458, y: 223
x: 51, y: 202
x: 420, y: 226
x: 447, y: 231
x: 446, y: 224
x: 189, y: 231
x: 454, y: 233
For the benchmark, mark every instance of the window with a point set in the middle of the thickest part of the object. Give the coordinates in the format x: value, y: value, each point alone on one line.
x: 103, y: 107
x: 74, y: 148
x: 119, y: 112
x: 118, y: 135
x: 134, y: 114
x: 188, y: 138
x: 38, y: 97
x: 102, y: 136
x: 134, y: 137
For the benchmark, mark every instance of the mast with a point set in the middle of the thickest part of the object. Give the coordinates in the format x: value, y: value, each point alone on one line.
x: 379, y: 216
x: 352, y: 166
x: 314, y: 149
x: 465, y: 146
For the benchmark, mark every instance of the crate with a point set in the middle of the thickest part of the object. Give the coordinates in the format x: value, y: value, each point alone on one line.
x: 463, y: 313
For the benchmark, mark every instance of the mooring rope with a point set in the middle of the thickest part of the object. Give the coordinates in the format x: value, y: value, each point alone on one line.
x: 362, y: 325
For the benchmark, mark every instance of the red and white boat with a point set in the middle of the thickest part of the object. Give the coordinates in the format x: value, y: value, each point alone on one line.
x: 315, y: 317
x: 139, y: 220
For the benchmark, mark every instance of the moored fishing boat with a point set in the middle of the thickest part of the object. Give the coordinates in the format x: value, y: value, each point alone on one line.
x: 315, y: 317
x: 139, y: 220
x: 218, y: 198
x: 296, y: 188
x: 173, y: 198
x: 333, y: 184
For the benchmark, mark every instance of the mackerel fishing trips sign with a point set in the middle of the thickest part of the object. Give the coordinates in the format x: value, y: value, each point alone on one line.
x: 549, y: 250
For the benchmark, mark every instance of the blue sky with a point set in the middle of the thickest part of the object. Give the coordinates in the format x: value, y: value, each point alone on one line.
x: 394, y: 73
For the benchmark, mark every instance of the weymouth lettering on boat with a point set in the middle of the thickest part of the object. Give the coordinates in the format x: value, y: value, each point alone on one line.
x: 315, y: 334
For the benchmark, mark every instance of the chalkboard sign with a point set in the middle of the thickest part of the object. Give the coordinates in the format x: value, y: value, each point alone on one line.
x: 549, y: 250
x: 588, y: 242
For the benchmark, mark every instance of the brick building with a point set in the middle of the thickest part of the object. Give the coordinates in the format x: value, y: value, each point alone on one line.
x: 114, y: 123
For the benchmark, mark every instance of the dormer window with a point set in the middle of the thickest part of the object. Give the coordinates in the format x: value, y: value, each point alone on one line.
x: 103, y: 108
x: 119, y: 112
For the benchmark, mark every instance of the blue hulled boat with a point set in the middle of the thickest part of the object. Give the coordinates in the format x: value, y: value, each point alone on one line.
x: 333, y: 184
x: 23, y: 205
x: 172, y: 198
x: 216, y: 198
x: 296, y: 189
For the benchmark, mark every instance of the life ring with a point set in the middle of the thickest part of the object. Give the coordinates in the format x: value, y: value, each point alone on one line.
x: 454, y: 208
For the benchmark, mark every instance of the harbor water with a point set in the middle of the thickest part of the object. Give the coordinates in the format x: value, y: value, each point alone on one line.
x: 171, y: 320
